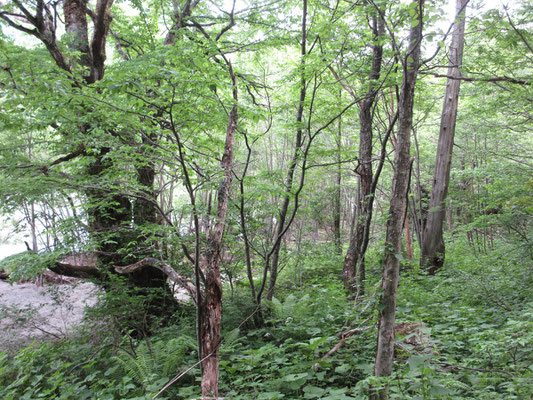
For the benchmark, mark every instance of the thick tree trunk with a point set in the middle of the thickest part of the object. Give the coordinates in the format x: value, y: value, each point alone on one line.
x: 145, y: 212
x: 355, y: 255
x: 211, y: 307
x: 145, y: 209
x: 433, y: 249
x: 76, y: 27
x: 109, y: 214
x: 398, y: 206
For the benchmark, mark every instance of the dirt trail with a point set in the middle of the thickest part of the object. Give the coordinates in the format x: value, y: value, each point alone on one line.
x: 29, y: 312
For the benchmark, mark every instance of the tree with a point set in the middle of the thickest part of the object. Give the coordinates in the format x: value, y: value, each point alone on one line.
x: 211, y: 305
x: 432, y: 250
x: 143, y: 147
x: 282, y: 227
x: 398, y: 202
x: 109, y: 212
x: 354, y: 262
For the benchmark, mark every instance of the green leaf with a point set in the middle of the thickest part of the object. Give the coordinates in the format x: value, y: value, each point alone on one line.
x: 315, y: 342
x: 415, y: 361
x: 295, y: 377
x: 439, y: 390
x: 313, y: 392
x: 270, y: 396
x: 342, y: 369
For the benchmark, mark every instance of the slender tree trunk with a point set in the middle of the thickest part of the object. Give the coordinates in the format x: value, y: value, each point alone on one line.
x: 433, y: 249
x: 212, y: 299
x: 408, y: 243
x: 280, y: 230
x: 244, y: 229
x: 337, y: 195
x: 398, y: 205
x: 33, y: 226
x: 416, y: 210
x: 355, y: 254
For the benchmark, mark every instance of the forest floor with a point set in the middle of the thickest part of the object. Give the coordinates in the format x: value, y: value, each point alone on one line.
x: 29, y: 312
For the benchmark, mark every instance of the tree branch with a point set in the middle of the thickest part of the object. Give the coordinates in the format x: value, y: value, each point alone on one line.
x: 101, y: 29
x: 182, y: 281
x: 19, y: 27
x: 518, y: 31
x: 483, y: 79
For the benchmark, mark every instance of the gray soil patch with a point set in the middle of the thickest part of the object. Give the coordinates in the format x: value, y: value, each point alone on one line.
x: 34, y: 313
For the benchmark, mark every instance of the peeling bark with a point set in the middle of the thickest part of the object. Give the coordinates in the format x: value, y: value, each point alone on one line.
x: 211, y: 304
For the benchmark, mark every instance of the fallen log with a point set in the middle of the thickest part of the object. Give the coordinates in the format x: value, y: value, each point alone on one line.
x: 47, y: 276
x: 85, y: 265
x: 53, y: 277
x: 78, y: 265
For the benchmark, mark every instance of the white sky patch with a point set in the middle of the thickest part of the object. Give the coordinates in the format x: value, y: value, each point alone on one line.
x: 7, y: 250
x: 10, y: 243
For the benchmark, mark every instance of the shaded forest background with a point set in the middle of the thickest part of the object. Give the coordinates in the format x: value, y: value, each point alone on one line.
x: 342, y: 192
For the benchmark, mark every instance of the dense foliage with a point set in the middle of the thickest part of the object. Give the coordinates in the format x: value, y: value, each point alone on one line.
x: 116, y: 135
x: 470, y: 346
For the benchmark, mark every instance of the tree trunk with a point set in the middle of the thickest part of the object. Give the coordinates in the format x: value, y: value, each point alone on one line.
x: 281, y: 229
x: 398, y: 206
x: 355, y: 255
x: 76, y: 27
x: 211, y: 306
x: 145, y: 213
x: 433, y: 249
x: 109, y: 213
x: 337, y: 193
x: 244, y: 230
x: 408, y: 244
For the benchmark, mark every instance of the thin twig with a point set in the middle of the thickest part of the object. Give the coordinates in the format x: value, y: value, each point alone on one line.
x: 177, y: 377
x: 344, y: 337
x: 500, y: 371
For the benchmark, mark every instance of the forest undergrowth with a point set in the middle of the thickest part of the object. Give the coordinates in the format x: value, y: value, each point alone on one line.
x: 465, y: 333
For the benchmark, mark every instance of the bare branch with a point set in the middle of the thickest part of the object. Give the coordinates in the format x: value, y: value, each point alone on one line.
x: 481, y: 79
x: 518, y: 31
x: 19, y: 27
